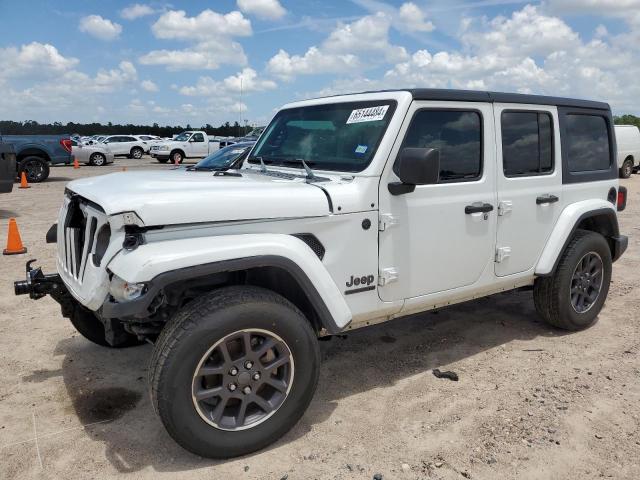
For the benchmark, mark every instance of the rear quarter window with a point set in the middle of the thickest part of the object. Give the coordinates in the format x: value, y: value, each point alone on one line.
x: 587, y: 143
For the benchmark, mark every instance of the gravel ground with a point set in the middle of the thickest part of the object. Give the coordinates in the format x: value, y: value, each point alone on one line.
x: 531, y: 402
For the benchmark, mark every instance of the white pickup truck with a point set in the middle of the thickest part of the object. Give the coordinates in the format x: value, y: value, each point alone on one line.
x: 189, y: 144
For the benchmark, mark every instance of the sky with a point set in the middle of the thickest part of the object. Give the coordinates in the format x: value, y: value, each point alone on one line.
x: 201, y: 62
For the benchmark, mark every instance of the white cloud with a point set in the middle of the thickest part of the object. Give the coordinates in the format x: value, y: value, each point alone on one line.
x: 101, y: 28
x: 136, y: 10
x: 267, y: 9
x: 246, y: 81
x: 314, y: 61
x: 202, y: 56
x: 341, y: 50
x: 207, y: 25
x: 414, y: 19
x: 210, y: 36
x: 34, y: 59
x: 149, y: 86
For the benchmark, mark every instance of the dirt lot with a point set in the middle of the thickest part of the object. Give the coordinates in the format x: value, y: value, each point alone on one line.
x: 532, y: 402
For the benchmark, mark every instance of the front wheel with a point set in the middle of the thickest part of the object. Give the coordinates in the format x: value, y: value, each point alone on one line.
x: 573, y: 296
x: 627, y: 168
x: 176, y: 157
x: 233, y: 371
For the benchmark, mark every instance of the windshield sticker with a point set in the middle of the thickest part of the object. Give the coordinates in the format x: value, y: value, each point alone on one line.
x: 370, y: 114
x: 361, y: 149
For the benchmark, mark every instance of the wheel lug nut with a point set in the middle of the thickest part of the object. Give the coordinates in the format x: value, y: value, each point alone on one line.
x: 232, y: 386
x: 247, y: 390
x: 256, y: 376
x: 233, y: 371
x: 248, y: 364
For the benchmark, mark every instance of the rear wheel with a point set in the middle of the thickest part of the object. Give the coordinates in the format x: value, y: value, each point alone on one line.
x: 137, y: 152
x: 627, y: 168
x: 233, y: 371
x: 572, y: 298
x: 97, y: 159
x: 36, y: 169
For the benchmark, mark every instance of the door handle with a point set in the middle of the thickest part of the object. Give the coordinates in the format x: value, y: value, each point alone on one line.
x: 484, y: 208
x: 543, y: 199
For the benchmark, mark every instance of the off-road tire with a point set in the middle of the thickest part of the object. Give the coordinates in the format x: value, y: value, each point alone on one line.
x: 97, y: 159
x: 136, y: 153
x: 92, y: 329
x: 36, y: 169
x: 552, y: 294
x: 190, y: 334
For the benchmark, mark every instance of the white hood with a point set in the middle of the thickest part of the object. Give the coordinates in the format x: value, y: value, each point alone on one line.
x: 180, y: 196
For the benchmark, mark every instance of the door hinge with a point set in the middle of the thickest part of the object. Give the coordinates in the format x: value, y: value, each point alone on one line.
x: 502, y: 253
x: 385, y: 221
x: 387, y: 276
x: 504, y: 207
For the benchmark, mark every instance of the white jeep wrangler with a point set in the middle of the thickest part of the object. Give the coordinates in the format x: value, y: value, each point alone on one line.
x: 350, y: 210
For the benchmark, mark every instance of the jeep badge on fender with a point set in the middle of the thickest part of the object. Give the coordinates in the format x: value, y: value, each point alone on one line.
x: 234, y: 276
x: 366, y: 283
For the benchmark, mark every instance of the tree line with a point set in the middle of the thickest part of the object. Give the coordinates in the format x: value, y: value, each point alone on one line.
x: 31, y: 127
x: 627, y: 120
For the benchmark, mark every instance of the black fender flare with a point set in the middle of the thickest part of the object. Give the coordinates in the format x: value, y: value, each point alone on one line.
x: 138, y: 308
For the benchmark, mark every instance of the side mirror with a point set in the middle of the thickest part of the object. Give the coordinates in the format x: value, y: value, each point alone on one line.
x: 416, y: 166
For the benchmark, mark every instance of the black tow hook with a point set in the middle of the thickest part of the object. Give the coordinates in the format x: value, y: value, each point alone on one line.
x: 37, y: 284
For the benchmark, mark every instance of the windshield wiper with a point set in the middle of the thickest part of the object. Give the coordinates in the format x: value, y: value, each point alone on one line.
x: 196, y: 168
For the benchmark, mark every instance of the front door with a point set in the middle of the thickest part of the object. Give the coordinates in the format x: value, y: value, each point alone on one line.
x: 441, y: 237
x: 198, y: 145
x: 529, y: 184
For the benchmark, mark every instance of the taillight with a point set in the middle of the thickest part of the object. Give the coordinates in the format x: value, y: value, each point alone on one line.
x: 66, y: 144
x: 621, y: 201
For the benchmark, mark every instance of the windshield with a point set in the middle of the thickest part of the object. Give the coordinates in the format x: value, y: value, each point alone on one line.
x: 183, y: 137
x: 223, y: 158
x: 339, y: 136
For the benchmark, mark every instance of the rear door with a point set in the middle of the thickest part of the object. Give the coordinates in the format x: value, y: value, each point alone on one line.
x: 529, y: 183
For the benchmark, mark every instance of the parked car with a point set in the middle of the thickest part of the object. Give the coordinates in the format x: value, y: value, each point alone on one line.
x: 148, y: 140
x: 628, y: 143
x: 226, y: 158
x: 98, y: 154
x: 190, y: 144
x: 36, y: 152
x: 350, y: 211
x: 7, y: 167
x: 125, y: 146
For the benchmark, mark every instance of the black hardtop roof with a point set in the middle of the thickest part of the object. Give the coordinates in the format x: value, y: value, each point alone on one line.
x: 492, y: 97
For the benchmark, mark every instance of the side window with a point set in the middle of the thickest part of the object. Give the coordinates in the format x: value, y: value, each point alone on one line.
x: 197, y: 137
x: 457, y: 134
x: 130, y: 139
x: 527, y: 143
x: 588, y: 143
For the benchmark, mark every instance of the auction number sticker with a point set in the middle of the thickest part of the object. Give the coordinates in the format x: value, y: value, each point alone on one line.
x: 370, y: 114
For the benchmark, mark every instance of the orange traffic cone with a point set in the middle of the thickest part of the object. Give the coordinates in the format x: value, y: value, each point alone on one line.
x: 23, y: 181
x: 14, y: 242
x: 76, y: 164
x: 175, y: 162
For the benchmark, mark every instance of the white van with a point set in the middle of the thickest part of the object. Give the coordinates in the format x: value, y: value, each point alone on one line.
x: 628, y: 141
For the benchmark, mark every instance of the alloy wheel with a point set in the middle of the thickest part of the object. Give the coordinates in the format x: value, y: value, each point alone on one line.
x: 243, y: 379
x: 586, y: 282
